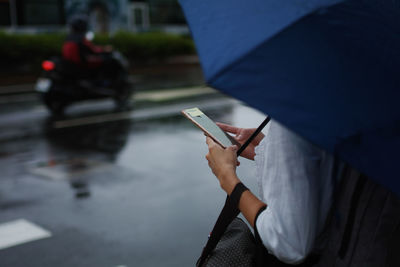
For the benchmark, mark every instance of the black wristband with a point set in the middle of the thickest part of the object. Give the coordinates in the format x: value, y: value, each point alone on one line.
x: 237, y: 192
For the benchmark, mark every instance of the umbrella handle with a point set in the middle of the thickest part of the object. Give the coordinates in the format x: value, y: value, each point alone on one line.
x: 256, y: 132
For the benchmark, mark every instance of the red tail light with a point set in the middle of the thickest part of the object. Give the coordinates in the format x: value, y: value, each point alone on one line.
x: 48, y: 65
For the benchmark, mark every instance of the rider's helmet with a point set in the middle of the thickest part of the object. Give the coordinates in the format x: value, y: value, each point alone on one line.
x: 79, y: 24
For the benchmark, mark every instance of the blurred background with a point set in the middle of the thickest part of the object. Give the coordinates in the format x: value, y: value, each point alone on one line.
x: 98, y: 170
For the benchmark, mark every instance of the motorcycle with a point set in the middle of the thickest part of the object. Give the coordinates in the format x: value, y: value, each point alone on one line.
x: 62, y: 83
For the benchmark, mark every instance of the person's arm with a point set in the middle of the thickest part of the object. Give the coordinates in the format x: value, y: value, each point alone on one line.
x: 94, y: 49
x: 93, y: 54
x: 249, y: 206
x: 223, y: 164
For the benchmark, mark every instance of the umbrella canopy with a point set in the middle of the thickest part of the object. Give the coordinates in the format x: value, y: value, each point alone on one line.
x: 327, y: 69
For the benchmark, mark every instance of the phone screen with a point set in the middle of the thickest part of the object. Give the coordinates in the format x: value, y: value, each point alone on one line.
x: 209, y: 127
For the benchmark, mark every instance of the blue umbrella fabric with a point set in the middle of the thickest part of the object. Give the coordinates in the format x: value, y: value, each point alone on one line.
x: 327, y: 69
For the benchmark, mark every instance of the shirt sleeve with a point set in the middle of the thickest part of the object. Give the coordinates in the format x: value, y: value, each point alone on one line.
x: 290, y: 179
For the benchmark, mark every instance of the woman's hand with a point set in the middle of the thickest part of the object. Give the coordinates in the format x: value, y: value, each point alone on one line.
x: 241, y: 135
x: 223, y: 164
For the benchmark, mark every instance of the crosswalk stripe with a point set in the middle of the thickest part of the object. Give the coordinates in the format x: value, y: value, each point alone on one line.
x: 19, y: 232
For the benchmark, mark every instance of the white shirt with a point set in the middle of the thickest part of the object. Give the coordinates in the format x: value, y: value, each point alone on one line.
x: 296, y: 182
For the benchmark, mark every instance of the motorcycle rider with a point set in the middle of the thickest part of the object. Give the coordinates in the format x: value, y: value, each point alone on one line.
x: 81, y: 52
x: 85, y: 72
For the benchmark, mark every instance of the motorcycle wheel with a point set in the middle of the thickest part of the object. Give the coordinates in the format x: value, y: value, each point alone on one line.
x: 122, y: 98
x: 56, y: 107
x: 122, y: 103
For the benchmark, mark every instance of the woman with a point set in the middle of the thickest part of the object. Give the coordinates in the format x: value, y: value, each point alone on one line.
x: 296, y: 181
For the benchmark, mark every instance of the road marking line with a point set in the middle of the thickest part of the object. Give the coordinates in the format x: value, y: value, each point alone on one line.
x: 16, y: 88
x: 163, y: 95
x: 154, y: 112
x: 19, y: 232
x: 18, y: 98
x: 93, y: 119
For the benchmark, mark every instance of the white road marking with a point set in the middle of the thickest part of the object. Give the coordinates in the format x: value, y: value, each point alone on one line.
x: 18, y: 98
x: 19, y: 232
x: 177, y: 93
x: 17, y: 88
x: 154, y: 112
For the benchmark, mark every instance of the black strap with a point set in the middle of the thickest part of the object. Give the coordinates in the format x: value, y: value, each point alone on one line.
x: 352, y: 216
x: 256, y: 132
x: 230, y: 209
x: 228, y: 213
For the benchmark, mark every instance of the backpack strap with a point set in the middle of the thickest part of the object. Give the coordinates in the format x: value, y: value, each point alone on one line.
x: 228, y: 213
x: 352, y: 215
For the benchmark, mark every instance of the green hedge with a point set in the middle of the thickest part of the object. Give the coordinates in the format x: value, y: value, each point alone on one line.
x: 20, y: 50
x: 148, y: 46
x: 29, y: 50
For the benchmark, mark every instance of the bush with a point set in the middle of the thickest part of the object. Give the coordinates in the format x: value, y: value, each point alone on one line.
x: 151, y: 46
x: 29, y: 50
x: 18, y: 50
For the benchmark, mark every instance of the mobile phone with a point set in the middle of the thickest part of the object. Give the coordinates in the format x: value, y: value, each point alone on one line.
x: 209, y: 127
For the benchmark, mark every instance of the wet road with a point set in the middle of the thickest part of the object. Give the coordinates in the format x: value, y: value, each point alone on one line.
x: 130, y: 190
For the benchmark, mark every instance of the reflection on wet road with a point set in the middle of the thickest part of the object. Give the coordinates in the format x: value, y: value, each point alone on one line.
x: 134, y: 190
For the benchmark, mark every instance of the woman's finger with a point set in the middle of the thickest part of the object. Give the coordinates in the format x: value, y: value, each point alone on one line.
x: 209, y: 141
x: 228, y: 128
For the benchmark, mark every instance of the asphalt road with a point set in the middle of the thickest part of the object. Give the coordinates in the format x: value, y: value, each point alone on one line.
x: 112, y: 189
